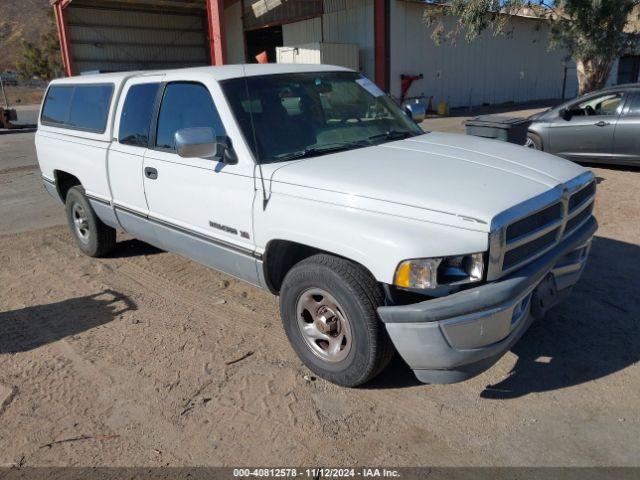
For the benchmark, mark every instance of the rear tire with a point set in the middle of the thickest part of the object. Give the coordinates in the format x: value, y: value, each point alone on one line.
x: 329, y: 312
x: 92, y: 236
x: 533, y: 141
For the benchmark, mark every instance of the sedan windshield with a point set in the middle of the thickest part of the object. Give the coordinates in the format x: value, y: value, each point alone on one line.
x: 298, y: 115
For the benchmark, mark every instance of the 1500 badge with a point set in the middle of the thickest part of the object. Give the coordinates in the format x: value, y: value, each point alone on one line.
x: 227, y: 229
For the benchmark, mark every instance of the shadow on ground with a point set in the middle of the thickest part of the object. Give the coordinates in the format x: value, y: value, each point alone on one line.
x: 593, y: 333
x: 132, y: 248
x: 32, y: 327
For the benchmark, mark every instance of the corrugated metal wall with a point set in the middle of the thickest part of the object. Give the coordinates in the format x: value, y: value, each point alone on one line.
x: 351, y: 21
x: 122, y: 39
x: 343, y: 54
x: 517, y: 67
x: 343, y: 21
x: 299, y: 33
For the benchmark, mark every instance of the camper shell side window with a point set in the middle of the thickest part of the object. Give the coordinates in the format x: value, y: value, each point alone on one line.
x: 83, y: 107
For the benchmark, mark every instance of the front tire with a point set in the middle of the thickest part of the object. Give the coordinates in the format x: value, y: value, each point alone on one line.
x: 92, y: 236
x: 329, y: 312
x: 533, y: 141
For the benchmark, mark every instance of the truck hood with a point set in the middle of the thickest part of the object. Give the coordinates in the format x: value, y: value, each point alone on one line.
x: 451, y: 179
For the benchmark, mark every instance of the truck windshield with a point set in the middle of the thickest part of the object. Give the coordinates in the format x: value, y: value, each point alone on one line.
x: 296, y: 115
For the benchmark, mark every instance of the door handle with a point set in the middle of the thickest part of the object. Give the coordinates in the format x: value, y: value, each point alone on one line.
x: 151, y: 173
x: 602, y: 123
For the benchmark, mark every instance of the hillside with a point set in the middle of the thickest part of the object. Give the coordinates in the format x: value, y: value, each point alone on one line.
x: 23, y: 19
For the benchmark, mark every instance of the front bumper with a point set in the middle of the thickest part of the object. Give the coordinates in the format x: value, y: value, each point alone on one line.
x: 453, y: 338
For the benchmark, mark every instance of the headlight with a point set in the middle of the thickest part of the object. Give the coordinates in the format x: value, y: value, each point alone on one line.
x: 424, y: 273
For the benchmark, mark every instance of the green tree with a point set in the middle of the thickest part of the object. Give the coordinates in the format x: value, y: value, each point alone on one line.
x: 594, y: 32
x: 41, y: 59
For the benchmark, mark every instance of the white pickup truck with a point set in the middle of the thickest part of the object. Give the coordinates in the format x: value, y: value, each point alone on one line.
x: 308, y: 181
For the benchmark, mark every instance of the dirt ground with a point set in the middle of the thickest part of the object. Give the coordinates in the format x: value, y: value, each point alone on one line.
x: 147, y: 359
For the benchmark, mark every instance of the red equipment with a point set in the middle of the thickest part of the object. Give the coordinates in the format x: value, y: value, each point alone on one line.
x: 405, y: 83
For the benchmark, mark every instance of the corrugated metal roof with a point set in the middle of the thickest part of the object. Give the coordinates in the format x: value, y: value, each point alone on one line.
x: 149, y: 3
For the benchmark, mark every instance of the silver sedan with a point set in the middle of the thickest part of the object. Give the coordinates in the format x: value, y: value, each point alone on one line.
x: 602, y: 126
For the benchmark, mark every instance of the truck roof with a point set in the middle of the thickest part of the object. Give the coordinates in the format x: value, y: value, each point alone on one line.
x: 218, y: 73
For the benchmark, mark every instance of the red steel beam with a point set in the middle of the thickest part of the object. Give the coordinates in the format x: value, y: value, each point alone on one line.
x: 63, y: 35
x: 381, y: 43
x: 217, y: 41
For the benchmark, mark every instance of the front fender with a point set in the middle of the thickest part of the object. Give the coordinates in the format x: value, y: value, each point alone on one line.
x: 378, y: 241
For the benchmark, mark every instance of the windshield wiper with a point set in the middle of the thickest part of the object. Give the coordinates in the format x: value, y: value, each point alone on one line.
x: 391, y: 135
x: 316, y: 151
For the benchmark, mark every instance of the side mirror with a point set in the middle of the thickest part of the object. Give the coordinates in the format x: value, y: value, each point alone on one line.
x: 416, y: 111
x: 202, y: 142
x: 565, y: 114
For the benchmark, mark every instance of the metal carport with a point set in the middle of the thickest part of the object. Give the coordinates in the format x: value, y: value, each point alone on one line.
x: 118, y: 35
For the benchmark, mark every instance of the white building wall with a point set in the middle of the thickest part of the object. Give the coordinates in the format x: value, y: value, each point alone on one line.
x: 351, y: 21
x: 343, y: 21
x: 234, y: 34
x: 515, y: 67
x: 300, y: 33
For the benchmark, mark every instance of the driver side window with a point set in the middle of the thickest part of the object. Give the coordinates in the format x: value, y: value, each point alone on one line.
x: 185, y: 105
x: 602, y: 105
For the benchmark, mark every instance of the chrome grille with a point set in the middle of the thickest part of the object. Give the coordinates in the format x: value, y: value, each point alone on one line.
x: 580, y: 196
x: 524, y: 252
x: 531, y: 224
x: 529, y: 230
x: 577, y: 220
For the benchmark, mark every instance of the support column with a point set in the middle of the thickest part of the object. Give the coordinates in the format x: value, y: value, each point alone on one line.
x: 381, y: 43
x: 63, y: 35
x: 217, y: 40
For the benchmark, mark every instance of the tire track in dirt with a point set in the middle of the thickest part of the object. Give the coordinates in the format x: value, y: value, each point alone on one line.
x: 21, y: 168
x: 128, y: 276
x: 131, y: 401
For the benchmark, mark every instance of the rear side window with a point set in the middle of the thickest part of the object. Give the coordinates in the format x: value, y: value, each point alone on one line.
x: 90, y: 107
x: 136, y: 114
x: 56, y: 105
x: 185, y: 105
x: 79, y: 107
x: 634, y: 106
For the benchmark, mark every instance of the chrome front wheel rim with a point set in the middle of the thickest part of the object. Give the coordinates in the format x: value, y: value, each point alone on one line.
x: 530, y: 144
x: 324, y: 325
x: 80, y: 222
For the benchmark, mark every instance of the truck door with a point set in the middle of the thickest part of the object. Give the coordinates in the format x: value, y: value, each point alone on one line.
x: 126, y: 155
x: 199, y: 207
